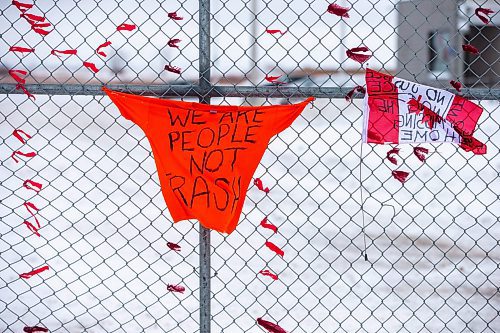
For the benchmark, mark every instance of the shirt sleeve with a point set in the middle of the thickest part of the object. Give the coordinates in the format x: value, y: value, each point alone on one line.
x: 131, y: 107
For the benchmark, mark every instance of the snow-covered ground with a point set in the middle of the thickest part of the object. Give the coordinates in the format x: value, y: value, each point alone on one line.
x: 433, y: 243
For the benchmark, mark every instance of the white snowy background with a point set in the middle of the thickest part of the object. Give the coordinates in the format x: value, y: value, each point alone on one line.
x: 433, y: 243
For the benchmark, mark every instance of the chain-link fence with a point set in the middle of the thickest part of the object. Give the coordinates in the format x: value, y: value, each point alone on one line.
x: 432, y: 243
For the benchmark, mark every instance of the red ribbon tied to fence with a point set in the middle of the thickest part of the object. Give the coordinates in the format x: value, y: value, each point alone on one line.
x: 270, y: 327
x: 34, y: 272
x: 275, y: 249
x: 358, y: 57
x: 176, y: 288
x: 268, y: 225
x: 392, y: 159
x: 17, y: 134
x: 338, y: 10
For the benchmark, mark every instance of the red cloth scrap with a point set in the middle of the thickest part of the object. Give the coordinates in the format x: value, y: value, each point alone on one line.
x: 176, y: 288
x: 275, y: 31
x: 400, y: 175
x: 457, y: 85
x: 23, y: 88
x: 29, y: 206
x: 174, y: 247
x: 267, y: 272
x: 17, y: 152
x: 32, y: 184
x: 174, y: 16
x: 126, y: 27
x: 275, y: 249
x: 273, y: 79
x: 33, y: 17
x: 23, y: 7
x: 103, y: 45
x: 419, y: 152
x: 361, y: 58
x: 470, y: 48
x: 173, y: 42
x: 482, y: 12
x: 351, y: 93
x: 338, y: 10
x: 13, y: 73
x: 270, y: 327
x: 173, y: 69
x: 32, y: 228
x: 32, y: 329
x: 20, y: 49
x: 392, y: 159
x: 90, y: 66
x: 71, y: 51
x: 265, y: 224
x: 257, y: 182
x: 34, y: 272
x: 17, y: 134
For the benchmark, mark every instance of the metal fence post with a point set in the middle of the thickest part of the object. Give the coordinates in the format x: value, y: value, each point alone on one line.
x: 204, y: 77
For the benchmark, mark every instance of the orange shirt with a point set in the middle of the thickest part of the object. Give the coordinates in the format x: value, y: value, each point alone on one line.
x: 205, y: 154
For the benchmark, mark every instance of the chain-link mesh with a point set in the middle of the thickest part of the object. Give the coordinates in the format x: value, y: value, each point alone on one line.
x: 432, y: 243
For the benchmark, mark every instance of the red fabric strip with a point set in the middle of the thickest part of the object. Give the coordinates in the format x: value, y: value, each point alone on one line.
x: 274, y: 31
x: 32, y: 183
x: 33, y: 17
x: 267, y: 272
x: 173, y: 42
x: 257, y: 182
x: 174, y: 16
x: 400, y: 175
x: 102, y: 46
x: 273, y: 79
x: 21, y: 6
x: 34, y: 272
x: 174, y: 247
x: 361, y: 58
x: 126, y: 27
x: 265, y: 224
x: 457, y: 85
x: 391, y: 158
x: 23, y: 88
x: 338, y: 10
x: 30, y: 206
x: 17, y: 133
x: 351, y: 93
x: 71, y: 51
x: 90, y: 66
x: 270, y: 327
x: 383, y: 108
x: 275, y: 249
x: 41, y: 31
x: 419, y: 152
x: 32, y: 228
x: 176, y: 288
x: 40, y: 25
x: 173, y: 69
x: 13, y: 73
x: 20, y: 49
x: 32, y: 329
x: 470, y: 48
x: 482, y: 12
x: 17, y: 152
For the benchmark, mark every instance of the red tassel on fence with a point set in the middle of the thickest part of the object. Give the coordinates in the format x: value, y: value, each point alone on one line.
x: 457, y: 85
x: 257, y: 182
x: 176, y: 288
x: 274, y: 31
x: 174, y: 16
x: 173, y: 69
x: 126, y: 27
x: 419, y: 152
x: 29, y: 206
x: 23, y: 7
x: 470, y: 48
x: 391, y: 158
x: 351, y: 93
x: 482, y: 12
x: 400, y: 175
x: 23, y: 88
x: 90, y: 66
x: 174, y: 247
x: 173, y: 42
x: 13, y: 73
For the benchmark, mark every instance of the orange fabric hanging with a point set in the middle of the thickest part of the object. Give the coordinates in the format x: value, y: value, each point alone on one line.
x: 205, y: 154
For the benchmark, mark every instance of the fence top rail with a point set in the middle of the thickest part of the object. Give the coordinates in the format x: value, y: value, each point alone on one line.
x: 216, y: 91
